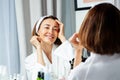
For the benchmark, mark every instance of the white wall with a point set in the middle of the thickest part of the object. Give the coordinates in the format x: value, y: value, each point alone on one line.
x: 79, y: 18
x: 80, y: 14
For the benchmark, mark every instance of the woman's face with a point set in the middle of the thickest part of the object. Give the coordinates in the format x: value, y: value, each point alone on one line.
x: 49, y: 31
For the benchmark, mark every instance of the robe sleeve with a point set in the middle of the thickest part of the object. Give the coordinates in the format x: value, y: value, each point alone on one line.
x: 65, y: 51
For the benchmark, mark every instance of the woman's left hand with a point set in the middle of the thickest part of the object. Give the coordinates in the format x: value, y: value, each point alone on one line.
x: 61, y: 31
x: 75, y: 42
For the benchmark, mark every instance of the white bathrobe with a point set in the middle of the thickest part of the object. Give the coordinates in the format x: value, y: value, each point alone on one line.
x: 98, y: 67
x: 60, y: 66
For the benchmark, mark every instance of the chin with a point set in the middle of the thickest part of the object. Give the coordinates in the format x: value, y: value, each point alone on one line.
x: 50, y: 42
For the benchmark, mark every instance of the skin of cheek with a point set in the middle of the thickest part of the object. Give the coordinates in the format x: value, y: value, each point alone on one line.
x: 44, y: 38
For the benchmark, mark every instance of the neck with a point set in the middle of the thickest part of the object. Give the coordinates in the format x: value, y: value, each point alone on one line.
x: 47, y: 48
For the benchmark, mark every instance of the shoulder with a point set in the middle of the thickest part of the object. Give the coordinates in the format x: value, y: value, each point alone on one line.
x: 78, y: 72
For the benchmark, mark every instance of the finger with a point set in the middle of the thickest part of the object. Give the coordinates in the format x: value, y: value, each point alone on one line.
x: 76, y: 37
x: 59, y: 22
x: 33, y: 38
x: 73, y: 37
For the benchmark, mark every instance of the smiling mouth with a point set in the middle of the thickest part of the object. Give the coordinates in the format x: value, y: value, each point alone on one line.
x: 50, y: 37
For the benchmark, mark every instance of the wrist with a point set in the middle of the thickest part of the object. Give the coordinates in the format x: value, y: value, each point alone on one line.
x: 38, y: 47
x: 62, y: 38
x: 78, y: 52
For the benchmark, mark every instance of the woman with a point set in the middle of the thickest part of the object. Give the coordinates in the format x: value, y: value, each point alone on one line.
x: 47, y: 35
x: 99, y: 34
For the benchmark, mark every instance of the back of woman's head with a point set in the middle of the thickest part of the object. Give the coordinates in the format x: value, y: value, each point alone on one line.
x: 100, y: 29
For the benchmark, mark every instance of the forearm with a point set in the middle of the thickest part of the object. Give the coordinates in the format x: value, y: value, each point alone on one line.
x: 78, y: 57
x: 62, y: 38
x: 40, y: 59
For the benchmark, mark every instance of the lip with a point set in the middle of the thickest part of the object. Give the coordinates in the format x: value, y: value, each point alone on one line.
x: 50, y: 36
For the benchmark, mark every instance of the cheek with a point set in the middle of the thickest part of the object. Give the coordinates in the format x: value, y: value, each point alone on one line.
x: 56, y: 34
x: 41, y: 32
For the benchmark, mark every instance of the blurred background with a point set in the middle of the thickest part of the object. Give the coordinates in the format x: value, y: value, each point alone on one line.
x: 17, y: 18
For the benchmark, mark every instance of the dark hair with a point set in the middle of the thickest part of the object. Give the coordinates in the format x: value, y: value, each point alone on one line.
x: 57, y: 42
x: 100, y: 29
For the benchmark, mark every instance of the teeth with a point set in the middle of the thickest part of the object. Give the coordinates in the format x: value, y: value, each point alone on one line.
x: 50, y: 36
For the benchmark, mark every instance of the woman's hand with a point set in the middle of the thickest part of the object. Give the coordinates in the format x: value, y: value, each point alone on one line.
x: 61, y: 31
x: 35, y: 41
x: 75, y: 42
x: 78, y: 48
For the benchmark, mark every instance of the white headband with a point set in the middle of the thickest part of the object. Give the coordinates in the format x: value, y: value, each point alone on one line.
x: 38, y: 23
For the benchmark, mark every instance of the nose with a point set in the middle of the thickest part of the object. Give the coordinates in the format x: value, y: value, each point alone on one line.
x: 50, y: 30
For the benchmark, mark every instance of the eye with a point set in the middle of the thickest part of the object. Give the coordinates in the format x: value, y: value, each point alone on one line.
x: 55, y: 28
x: 46, y: 26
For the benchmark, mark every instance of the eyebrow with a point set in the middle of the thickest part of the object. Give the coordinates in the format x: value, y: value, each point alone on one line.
x: 49, y: 25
